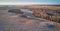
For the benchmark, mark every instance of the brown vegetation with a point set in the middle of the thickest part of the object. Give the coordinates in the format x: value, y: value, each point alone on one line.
x: 18, y: 11
x: 51, y: 13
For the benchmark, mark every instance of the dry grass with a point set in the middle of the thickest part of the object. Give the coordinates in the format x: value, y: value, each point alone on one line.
x: 47, y: 7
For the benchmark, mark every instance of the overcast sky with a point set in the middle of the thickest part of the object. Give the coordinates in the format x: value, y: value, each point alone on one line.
x: 2, y: 2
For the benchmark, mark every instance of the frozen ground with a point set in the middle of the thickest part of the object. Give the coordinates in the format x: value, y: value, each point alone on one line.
x: 13, y: 22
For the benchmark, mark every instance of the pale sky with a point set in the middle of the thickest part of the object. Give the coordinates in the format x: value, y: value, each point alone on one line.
x: 27, y: 2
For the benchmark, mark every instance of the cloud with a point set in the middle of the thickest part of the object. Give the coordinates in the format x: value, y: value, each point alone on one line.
x: 14, y: 3
x: 22, y: 3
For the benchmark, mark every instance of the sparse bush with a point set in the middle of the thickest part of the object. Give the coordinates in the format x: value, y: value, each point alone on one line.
x: 18, y: 11
x: 22, y: 15
x: 46, y: 14
x: 58, y: 20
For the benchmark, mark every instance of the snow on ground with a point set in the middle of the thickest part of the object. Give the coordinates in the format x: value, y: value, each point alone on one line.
x: 9, y: 22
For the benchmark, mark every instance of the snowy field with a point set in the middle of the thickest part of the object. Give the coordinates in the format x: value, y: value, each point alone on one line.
x: 13, y: 22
